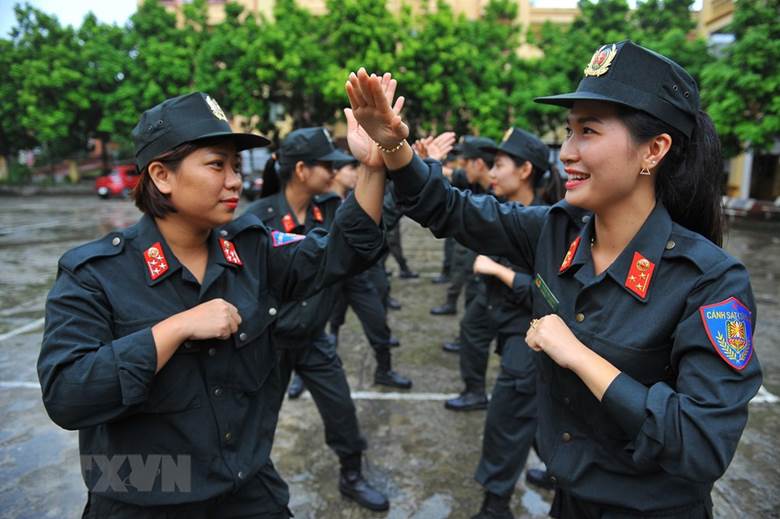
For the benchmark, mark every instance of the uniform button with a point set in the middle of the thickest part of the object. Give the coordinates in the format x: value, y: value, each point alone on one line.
x: 272, y: 311
x: 670, y: 245
x: 490, y: 307
x: 304, y: 303
x: 270, y: 210
x: 228, y: 436
x: 585, y: 218
x: 553, y: 479
x: 566, y: 437
x: 566, y: 400
x: 242, y: 336
x: 580, y: 317
x: 116, y: 241
x: 217, y: 391
x: 241, y: 474
x: 212, y: 352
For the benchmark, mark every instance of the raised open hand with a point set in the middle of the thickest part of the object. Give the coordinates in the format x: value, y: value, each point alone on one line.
x: 441, y: 145
x: 377, y: 120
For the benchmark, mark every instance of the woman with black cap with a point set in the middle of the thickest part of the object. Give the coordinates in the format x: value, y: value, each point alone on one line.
x: 297, y: 198
x: 643, y: 324
x: 157, y: 346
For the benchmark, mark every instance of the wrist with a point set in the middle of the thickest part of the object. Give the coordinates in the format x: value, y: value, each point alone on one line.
x: 392, y: 147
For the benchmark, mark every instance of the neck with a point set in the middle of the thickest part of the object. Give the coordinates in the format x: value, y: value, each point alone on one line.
x: 339, y: 189
x: 617, y: 225
x: 484, y: 180
x: 298, y: 198
x: 182, y: 235
x: 524, y: 195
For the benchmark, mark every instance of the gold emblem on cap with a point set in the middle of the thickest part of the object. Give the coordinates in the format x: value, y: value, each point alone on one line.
x: 507, y: 134
x: 601, y: 60
x: 215, y: 109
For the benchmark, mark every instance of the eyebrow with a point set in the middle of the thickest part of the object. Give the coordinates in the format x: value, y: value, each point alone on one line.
x: 586, y: 119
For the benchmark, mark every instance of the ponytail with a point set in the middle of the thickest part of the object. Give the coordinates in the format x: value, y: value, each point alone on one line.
x: 271, y: 182
x: 549, y: 185
x: 688, y: 180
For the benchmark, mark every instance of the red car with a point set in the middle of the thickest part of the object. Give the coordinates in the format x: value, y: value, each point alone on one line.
x: 117, y: 182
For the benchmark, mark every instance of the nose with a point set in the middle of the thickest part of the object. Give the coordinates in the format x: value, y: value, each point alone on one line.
x: 492, y: 173
x: 569, y: 153
x: 233, y: 181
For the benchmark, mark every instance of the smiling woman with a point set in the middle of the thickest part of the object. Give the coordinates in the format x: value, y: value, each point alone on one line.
x: 643, y: 324
x: 157, y: 342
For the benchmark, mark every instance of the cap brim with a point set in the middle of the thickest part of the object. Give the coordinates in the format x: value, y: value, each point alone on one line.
x: 567, y: 100
x: 243, y: 141
x: 336, y: 156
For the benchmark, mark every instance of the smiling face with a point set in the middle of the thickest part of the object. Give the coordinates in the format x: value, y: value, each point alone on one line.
x: 205, y: 188
x: 506, y: 178
x: 602, y: 160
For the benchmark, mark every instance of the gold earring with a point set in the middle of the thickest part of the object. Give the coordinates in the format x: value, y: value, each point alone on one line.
x: 644, y: 171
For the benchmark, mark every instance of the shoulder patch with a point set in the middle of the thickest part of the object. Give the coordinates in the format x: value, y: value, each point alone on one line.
x: 280, y: 239
x: 109, y: 245
x: 730, y: 331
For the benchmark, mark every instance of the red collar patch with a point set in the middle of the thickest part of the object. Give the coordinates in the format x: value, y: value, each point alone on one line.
x: 570, y: 255
x: 288, y: 223
x: 229, y: 250
x: 317, y: 214
x: 155, y: 261
x: 639, y: 275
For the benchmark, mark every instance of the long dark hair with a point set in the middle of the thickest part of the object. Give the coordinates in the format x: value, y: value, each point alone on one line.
x: 688, y: 180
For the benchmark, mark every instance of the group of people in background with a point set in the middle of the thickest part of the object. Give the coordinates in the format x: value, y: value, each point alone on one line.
x: 624, y: 330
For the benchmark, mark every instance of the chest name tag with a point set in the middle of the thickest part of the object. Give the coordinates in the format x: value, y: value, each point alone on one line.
x: 280, y: 239
x: 729, y: 330
x: 546, y: 293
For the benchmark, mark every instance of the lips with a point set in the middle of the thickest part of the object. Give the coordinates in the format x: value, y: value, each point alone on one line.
x: 232, y: 203
x: 576, y: 178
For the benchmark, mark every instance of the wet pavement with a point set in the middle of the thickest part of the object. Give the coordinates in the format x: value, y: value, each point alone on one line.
x: 422, y: 455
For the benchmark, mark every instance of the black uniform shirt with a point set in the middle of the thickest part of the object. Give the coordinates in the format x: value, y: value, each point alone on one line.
x: 215, y: 401
x: 668, y: 425
x: 302, y: 321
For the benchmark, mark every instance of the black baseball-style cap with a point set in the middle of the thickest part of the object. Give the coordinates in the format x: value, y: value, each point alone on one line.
x: 525, y: 146
x: 634, y: 76
x: 310, y: 145
x: 471, y: 147
x: 186, y: 118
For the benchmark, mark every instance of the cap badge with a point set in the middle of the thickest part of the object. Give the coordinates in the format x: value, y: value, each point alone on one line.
x: 507, y: 134
x: 601, y: 60
x: 216, y: 109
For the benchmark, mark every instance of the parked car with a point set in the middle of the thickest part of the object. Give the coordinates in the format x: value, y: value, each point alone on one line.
x: 118, y: 182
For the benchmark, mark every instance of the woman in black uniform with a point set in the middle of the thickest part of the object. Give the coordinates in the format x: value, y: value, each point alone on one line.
x: 157, y: 346
x: 644, y: 325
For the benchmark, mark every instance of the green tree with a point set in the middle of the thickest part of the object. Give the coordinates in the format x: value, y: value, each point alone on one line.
x: 14, y: 136
x: 740, y: 91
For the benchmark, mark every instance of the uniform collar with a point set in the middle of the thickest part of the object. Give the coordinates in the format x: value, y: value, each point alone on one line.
x: 144, y: 235
x: 649, y: 242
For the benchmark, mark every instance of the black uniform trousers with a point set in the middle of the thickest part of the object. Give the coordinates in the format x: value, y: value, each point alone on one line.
x: 395, y: 247
x: 361, y: 293
x: 510, y: 424
x: 253, y: 500
x: 566, y: 506
x: 449, y: 247
x: 319, y: 365
x: 477, y: 330
x: 462, y: 274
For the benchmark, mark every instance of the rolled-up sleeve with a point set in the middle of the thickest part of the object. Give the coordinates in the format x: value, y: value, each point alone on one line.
x: 480, y: 222
x: 87, y: 376
x: 322, y: 258
x: 691, y: 427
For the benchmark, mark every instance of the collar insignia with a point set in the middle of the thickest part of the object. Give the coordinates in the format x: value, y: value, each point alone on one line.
x: 229, y: 250
x: 155, y: 261
x: 639, y: 275
x: 288, y: 223
x: 317, y: 214
x: 570, y: 255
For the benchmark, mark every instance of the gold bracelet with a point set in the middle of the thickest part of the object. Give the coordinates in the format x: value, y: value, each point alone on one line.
x: 390, y: 150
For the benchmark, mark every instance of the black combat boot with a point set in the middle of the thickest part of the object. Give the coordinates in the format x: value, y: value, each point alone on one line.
x: 448, y: 308
x: 495, y: 507
x: 539, y: 478
x: 452, y: 347
x: 353, y: 486
x: 393, y: 303
x: 384, y: 374
x: 469, y: 400
x: 295, y: 388
x: 441, y: 279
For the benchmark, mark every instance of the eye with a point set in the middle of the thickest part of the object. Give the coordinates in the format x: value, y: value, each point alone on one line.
x: 568, y: 131
x: 217, y: 164
x: 587, y: 130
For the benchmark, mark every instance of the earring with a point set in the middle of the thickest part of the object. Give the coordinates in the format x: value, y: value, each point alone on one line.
x: 644, y: 171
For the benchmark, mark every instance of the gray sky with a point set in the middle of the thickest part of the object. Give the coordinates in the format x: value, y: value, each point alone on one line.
x: 72, y: 12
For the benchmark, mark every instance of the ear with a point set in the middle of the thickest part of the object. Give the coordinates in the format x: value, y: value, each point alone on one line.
x: 301, y: 171
x: 524, y: 171
x: 656, y: 150
x: 161, y: 176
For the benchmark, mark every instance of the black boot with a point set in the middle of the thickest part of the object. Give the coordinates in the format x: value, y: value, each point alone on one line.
x: 469, y: 400
x: 393, y: 342
x: 441, y: 279
x: 384, y: 374
x: 495, y: 507
x: 448, y: 308
x: 539, y: 478
x: 393, y: 303
x: 452, y: 347
x: 295, y: 388
x: 353, y: 486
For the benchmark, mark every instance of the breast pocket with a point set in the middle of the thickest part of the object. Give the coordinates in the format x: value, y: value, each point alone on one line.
x: 174, y: 388
x: 254, y: 357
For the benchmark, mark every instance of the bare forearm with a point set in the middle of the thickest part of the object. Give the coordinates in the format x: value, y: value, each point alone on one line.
x: 168, y: 336
x: 370, y: 191
x: 595, y: 371
x: 505, y: 274
x: 400, y: 158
